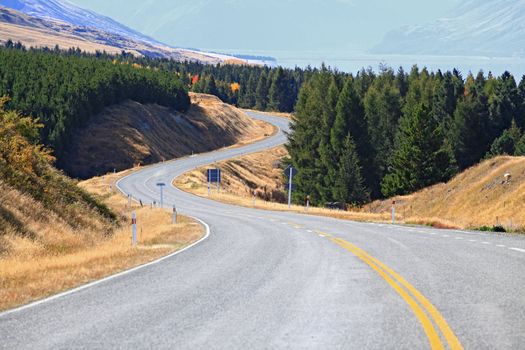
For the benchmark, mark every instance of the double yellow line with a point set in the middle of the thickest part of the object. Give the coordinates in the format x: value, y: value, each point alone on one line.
x: 422, y: 308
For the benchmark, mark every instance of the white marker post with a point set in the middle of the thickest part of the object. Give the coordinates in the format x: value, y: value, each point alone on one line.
x: 129, y: 201
x: 133, y: 229
x: 307, y: 203
x: 290, y: 188
x: 174, y: 215
x: 393, y: 212
x: 254, y: 197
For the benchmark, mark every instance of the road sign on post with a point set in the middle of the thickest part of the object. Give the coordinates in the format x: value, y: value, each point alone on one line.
x: 214, y: 176
x: 161, y: 186
x: 290, y: 172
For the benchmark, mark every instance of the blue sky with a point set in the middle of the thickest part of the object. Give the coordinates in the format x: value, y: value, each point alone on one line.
x: 270, y: 24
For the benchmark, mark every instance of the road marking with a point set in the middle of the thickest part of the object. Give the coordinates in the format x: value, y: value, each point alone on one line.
x: 501, y: 246
x: 324, y: 234
x: 446, y: 236
x: 486, y: 243
x: 459, y: 238
x: 309, y: 231
x: 518, y: 250
x: 472, y: 240
x: 396, y: 281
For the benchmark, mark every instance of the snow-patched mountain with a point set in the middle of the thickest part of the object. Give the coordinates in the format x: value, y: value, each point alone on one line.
x: 46, y: 23
x: 69, y: 13
x: 475, y: 27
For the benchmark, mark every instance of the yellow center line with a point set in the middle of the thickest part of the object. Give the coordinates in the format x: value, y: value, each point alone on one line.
x: 394, y: 279
x: 323, y: 233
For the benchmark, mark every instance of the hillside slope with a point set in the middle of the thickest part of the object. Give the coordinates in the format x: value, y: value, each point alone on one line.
x: 131, y: 133
x: 480, y: 196
x: 46, y: 24
x: 474, y: 27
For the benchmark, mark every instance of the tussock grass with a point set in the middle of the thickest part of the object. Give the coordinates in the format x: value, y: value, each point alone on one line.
x: 56, y: 257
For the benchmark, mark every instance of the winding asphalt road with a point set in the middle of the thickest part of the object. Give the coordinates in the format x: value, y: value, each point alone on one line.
x: 265, y: 280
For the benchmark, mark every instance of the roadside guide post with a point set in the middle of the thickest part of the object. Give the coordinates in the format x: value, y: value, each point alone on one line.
x: 129, y: 201
x: 393, y: 212
x: 161, y: 186
x: 174, y: 215
x: 290, y: 172
x: 134, y: 229
x: 254, y: 197
x: 307, y: 203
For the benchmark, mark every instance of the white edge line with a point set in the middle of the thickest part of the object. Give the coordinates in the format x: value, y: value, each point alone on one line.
x: 518, y: 250
x: 106, y: 279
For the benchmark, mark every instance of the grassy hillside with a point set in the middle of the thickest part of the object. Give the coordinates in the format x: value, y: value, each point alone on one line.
x: 34, y: 194
x: 144, y: 134
x: 55, y: 234
x: 480, y: 196
x: 259, y: 172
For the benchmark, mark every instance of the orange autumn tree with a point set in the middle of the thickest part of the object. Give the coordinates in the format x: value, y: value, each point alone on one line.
x: 234, y: 87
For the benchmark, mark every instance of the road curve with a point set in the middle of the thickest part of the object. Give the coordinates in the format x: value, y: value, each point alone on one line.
x: 279, y: 280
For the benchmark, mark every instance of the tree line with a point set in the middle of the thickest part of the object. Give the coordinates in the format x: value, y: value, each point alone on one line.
x: 63, y: 89
x: 374, y: 135
x: 253, y: 87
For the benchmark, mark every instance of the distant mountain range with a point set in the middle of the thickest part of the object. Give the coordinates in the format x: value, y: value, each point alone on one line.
x: 493, y: 28
x: 40, y: 23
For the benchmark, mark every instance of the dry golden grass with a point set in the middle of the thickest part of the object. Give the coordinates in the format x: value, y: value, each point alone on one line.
x: 59, y: 258
x: 479, y: 196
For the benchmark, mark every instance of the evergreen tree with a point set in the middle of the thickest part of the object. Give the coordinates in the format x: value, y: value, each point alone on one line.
x: 261, y: 93
x: 471, y: 138
x: 328, y: 160
x: 382, y: 105
x: 350, y: 119
x: 421, y: 157
x: 349, y: 186
x: 211, y: 86
x: 279, y: 94
x: 507, y: 143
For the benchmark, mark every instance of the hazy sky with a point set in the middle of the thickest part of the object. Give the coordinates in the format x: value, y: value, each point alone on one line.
x: 269, y: 24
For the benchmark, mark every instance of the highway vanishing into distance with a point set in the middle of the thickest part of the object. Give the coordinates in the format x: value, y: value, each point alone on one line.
x: 275, y: 280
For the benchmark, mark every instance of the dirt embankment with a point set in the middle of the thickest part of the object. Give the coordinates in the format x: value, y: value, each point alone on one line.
x: 131, y: 133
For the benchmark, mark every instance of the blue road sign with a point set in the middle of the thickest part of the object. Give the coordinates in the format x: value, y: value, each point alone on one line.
x: 287, y: 171
x: 214, y: 175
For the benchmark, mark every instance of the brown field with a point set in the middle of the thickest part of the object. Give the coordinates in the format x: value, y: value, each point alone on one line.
x: 60, y: 258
